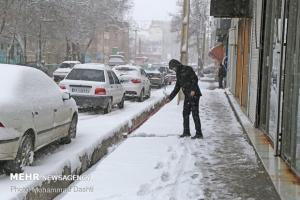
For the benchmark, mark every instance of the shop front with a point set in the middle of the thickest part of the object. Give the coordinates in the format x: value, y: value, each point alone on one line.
x: 279, y: 99
x: 290, y: 148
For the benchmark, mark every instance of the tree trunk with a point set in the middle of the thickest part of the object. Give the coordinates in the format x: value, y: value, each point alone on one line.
x: 25, y: 50
x: 68, y: 49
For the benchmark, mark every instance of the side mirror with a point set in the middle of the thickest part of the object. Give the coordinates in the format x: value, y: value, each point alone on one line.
x: 66, y: 96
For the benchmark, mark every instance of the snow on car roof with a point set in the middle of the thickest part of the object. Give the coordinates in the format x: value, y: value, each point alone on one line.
x: 128, y: 66
x: 152, y: 70
x: 92, y: 66
x: 10, y: 78
x: 72, y: 62
x: 116, y: 56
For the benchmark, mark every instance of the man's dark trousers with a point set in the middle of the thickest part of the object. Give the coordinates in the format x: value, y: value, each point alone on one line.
x: 191, y: 104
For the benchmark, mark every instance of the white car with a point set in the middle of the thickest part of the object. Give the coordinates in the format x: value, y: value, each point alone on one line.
x: 34, y: 112
x: 94, y: 86
x: 64, y: 68
x: 135, y: 81
x: 115, y: 60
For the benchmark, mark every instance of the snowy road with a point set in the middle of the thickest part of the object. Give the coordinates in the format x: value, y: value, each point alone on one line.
x: 154, y: 164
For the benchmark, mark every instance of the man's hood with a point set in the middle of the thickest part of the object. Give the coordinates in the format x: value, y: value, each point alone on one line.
x: 175, y: 65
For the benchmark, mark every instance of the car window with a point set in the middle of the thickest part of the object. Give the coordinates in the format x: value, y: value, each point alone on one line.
x: 86, y: 75
x: 65, y: 65
x: 162, y: 69
x: 110, y: 77
x: 143, y: 72
x: 121, y: 71
x: 115, y: 78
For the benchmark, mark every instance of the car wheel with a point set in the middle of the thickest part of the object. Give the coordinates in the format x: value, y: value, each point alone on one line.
x: 24, y: 157
x: 72, y: 131
x: 108, y: 107
x: 141, y: 97
x: 121, y: 104
x: 149, y: 93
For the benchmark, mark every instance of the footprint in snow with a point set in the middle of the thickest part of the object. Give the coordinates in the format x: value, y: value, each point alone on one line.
x: 144, y: 189
x: 165, y: 177
x: 174, y: 156
x: 194, y: 176
x: 197, y: 163
x: 159, y: 165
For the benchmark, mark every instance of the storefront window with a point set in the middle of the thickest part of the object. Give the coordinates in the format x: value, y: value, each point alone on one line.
x: 275, y: 69
x: 296, y: 137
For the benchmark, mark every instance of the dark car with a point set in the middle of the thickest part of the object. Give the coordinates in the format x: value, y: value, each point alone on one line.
x: 164, y: 70
x: 155, y: 76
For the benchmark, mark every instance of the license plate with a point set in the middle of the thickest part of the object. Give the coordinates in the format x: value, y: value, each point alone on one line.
x: 81, y: 90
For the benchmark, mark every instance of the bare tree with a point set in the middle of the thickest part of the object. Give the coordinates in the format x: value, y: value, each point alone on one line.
x: 197, y: 29
x: 74, y: 23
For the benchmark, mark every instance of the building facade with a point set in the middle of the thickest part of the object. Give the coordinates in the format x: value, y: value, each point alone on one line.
x: 263, y: 73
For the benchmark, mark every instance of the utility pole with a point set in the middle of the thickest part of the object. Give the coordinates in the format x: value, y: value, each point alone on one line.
x: 184, y: 39
x: 103, y: 46
x: 39, y: 57
x: 135, y: 42
x: 203, y: 47
x: 140, y: 46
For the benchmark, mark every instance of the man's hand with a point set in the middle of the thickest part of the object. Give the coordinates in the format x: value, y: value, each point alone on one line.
x: 193, y: 93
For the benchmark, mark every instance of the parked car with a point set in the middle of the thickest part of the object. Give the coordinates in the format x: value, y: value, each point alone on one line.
x: 165, y: 71
x: 171, y: 76
x: 155, y: 76
x: 34, y: 112
x: 63, y: 69
x: 115, y: 60
x: 38, y: 66
x: 135, y: 81
x: 94, y: 86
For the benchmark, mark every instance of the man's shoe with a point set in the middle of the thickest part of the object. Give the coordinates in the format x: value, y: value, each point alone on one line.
x: 197, y: 136
x: 185, y: 135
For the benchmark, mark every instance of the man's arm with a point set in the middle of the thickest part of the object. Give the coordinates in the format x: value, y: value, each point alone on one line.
x: 175, y: 91
x: 194, y: 80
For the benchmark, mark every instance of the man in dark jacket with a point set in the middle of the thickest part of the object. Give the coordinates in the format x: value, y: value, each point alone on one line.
x: 187, y: 80
x: 221, y: 75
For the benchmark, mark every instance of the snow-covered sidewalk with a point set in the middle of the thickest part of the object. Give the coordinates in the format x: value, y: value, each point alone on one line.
x: 154, y: 164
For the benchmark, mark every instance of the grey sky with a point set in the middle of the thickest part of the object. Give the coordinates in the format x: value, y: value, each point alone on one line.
x: 145, y: 10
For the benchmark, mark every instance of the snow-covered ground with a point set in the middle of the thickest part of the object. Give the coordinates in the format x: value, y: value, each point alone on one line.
x: 153, y: 163
x: 92, y: 130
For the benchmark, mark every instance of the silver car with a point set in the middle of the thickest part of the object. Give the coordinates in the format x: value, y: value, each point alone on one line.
x: 34, y: 113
